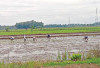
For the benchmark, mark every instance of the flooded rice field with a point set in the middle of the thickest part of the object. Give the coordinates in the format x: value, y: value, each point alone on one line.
x: 44, y: 48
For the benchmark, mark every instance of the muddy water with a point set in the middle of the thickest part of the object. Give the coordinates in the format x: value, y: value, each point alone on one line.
x: 43, y: 48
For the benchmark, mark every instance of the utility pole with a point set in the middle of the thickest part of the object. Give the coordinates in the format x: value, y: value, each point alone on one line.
x: 69, y: 21
x: 96, y: 20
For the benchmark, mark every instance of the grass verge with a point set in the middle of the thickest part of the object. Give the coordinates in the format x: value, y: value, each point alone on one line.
x: 50, y: 30
x: 48, y: 64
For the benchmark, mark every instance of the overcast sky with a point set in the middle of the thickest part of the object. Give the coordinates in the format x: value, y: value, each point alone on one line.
x: 48, y: 11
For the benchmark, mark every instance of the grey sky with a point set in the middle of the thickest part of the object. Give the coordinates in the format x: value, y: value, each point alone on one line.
x: 48, y: 11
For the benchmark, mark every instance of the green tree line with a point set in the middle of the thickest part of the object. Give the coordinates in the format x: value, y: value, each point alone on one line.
x: 34, y: 24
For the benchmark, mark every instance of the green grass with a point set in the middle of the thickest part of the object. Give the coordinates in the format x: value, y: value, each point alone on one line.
x: 48, y: 64
x: 50, y: 30
x: 64, y: 63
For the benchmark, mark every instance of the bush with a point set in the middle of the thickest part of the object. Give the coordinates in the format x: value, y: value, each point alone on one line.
x: 76, y: 57
x: 93, y: 54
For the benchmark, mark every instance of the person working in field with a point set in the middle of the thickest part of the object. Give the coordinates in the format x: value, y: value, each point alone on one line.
x: 48, y: 36
x: 86, y: 38
x: 24, y: 38
x: 34, y: 38
x: 12, y: 38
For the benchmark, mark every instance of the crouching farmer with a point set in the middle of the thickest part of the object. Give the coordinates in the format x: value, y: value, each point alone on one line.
x: 86, y: 38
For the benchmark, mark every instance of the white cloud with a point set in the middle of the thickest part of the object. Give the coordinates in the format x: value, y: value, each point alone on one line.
x: 48, y: 11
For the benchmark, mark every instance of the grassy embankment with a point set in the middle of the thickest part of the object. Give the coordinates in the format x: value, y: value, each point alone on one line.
x: 48, y: 64
x: 50, y: 30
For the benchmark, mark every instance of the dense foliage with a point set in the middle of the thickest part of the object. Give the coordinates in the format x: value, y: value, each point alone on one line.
x: 76, y: 57
x: 29, y: 24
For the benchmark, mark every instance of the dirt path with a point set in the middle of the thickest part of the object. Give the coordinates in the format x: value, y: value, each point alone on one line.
x: 52, y: 35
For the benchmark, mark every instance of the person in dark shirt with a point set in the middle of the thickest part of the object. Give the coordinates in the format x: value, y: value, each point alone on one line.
x: 48, y: 36
x: 86, y: 38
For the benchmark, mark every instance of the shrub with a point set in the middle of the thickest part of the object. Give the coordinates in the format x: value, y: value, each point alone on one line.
x: 93, y: 54
x: 76, y: 57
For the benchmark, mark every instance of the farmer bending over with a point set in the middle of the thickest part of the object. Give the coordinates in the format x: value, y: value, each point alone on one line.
x: 48, y: 36
x: 12, y: 38
x: 34, y: 38
x: 86, y: 38
x: 24, y: 38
